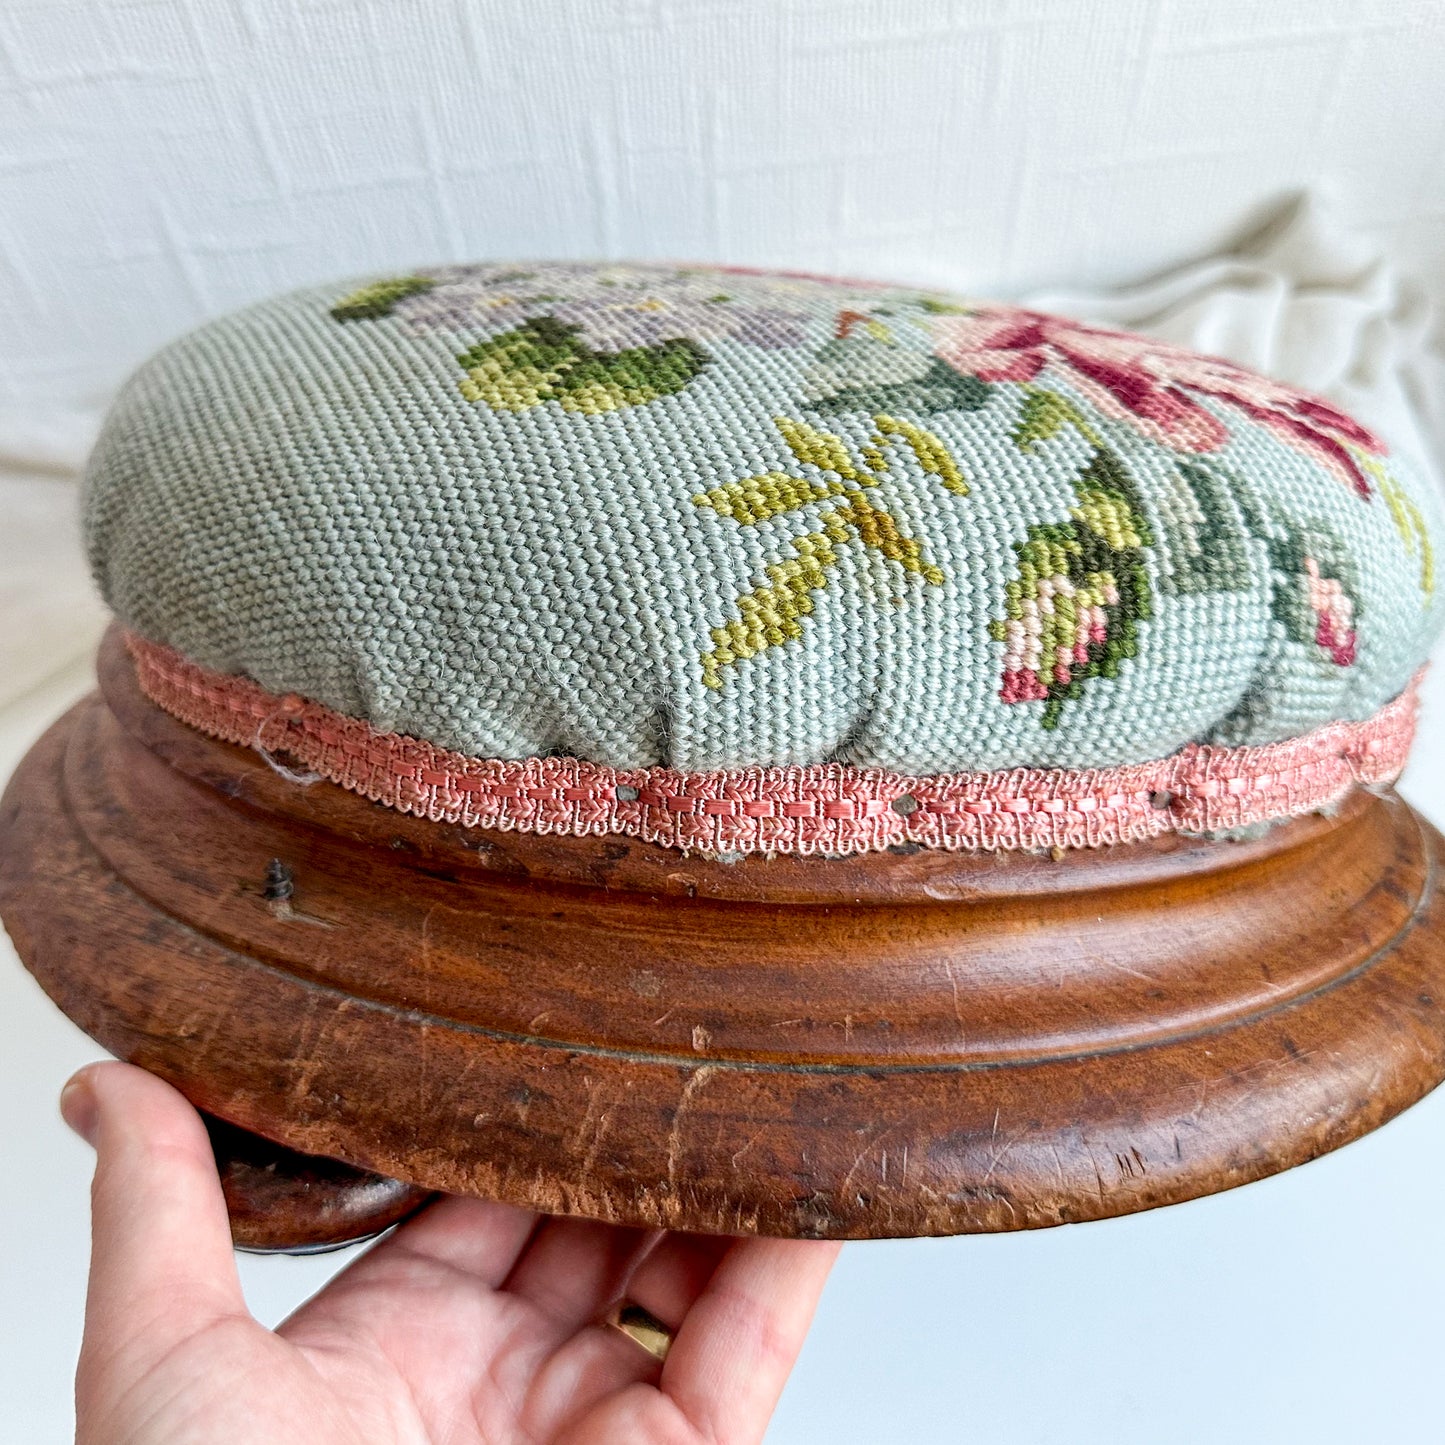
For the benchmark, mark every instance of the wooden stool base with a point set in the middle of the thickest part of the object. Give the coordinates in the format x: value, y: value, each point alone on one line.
x: 894, y: 1044
x: 284, y: 1202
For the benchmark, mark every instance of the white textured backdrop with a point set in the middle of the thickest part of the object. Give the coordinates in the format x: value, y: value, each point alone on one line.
x: 164, y: 160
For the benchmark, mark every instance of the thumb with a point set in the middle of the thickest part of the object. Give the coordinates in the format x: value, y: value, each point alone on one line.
x: 161, y: 1266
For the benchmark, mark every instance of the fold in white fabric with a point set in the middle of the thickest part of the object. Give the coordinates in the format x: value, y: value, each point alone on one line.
x: 1302, y: 299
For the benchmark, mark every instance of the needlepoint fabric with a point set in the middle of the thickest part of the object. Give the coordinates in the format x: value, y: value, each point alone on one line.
x: 701, y: 519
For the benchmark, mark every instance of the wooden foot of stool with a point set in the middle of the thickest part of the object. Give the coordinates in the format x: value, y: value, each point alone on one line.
x: 282, y: 1202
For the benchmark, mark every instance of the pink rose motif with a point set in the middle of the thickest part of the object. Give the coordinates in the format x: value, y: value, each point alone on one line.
x: 1151, y: 385
x: 1334, y: 615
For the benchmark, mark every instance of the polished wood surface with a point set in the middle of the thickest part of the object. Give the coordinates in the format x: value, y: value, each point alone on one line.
x: 901, y: 1043
x: 281, y: 1200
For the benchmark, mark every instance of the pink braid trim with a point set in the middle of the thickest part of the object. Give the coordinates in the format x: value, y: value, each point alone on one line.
x: 828, y: 808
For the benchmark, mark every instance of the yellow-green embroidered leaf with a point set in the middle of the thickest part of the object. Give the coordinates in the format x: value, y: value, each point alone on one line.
x: 380, y: 298
x: 1407, y: 517
x: 1110, y: 515
x: 879, y: 530
x: 819, y: 449
x: 1045, y: 413
x: 755, y: 499
x: 770, y: 614
x: 932, y: 455
x: 547, y: 360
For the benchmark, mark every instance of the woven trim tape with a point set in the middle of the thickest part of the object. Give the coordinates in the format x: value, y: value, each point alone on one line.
x: 827, y: 808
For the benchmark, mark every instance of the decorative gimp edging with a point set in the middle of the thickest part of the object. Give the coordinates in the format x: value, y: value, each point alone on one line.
x: 827, y: 808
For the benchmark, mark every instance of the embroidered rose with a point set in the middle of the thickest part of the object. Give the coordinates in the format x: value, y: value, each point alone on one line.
x: 1315, y: 587
x: 1334, y: 615
x: 1153, y: 386
x: 1074, y: 607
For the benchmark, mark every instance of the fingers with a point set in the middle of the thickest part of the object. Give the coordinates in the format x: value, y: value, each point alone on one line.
x: 161, y: 1260
x: 476, y: 1237
x: 740, y: 1339
x: 467, y: 1245
x: 668, y: 1282
x: 599, y: 1362
x: 575, y: 1267
x: 740, y: 1309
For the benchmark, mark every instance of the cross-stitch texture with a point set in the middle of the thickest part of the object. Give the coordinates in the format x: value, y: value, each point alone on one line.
x: 705, y: 519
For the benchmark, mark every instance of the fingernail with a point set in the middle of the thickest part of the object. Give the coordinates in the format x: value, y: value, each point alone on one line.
x: 78, y: 1106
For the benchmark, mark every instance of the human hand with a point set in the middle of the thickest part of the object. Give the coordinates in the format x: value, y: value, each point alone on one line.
x: 473, y: 1321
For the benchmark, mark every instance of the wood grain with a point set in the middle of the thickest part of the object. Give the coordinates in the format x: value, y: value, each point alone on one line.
x: 280, y: 1200
x: 912, y: 1043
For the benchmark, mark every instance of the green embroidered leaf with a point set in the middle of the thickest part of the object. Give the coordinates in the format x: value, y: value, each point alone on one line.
x: 380, y: 298
x: 860, y: 374
x: 546, y: 360
x: 1073, y: 610
x: 1206, y: 544
x: 1046, y: 413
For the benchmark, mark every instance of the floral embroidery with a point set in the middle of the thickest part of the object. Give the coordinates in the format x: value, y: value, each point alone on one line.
x: 595, y: 339
x: 1334, y: 612
x: 772, y: 613
x: 1153, y: 386
x: 591, y: 338
x: 867, y: 372
x: 1316, y: 590
x: 612, y: 307
x: 1073, y: 611
x: 546, y: 359
x: 1206, y: 542
x: 380, y: 298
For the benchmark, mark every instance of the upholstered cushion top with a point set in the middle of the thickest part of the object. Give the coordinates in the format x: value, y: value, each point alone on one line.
x: 655, y: 515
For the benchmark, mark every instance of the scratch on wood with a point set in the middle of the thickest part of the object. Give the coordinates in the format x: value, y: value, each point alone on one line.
x: 1059, y: 1169
x: 1117, y: 967
x: 1131, y: 1165
x: 863, y: 1154
x: 753, y: 1139
x: 998, y: 1154
x: 957, y: 1007
x: 674, y: 1138
x: 594, y: 1126
x: 424, y: 958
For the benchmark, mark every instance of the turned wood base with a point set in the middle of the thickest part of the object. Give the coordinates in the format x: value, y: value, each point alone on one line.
x: 284, y: 1202
x: 893, y: 1044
